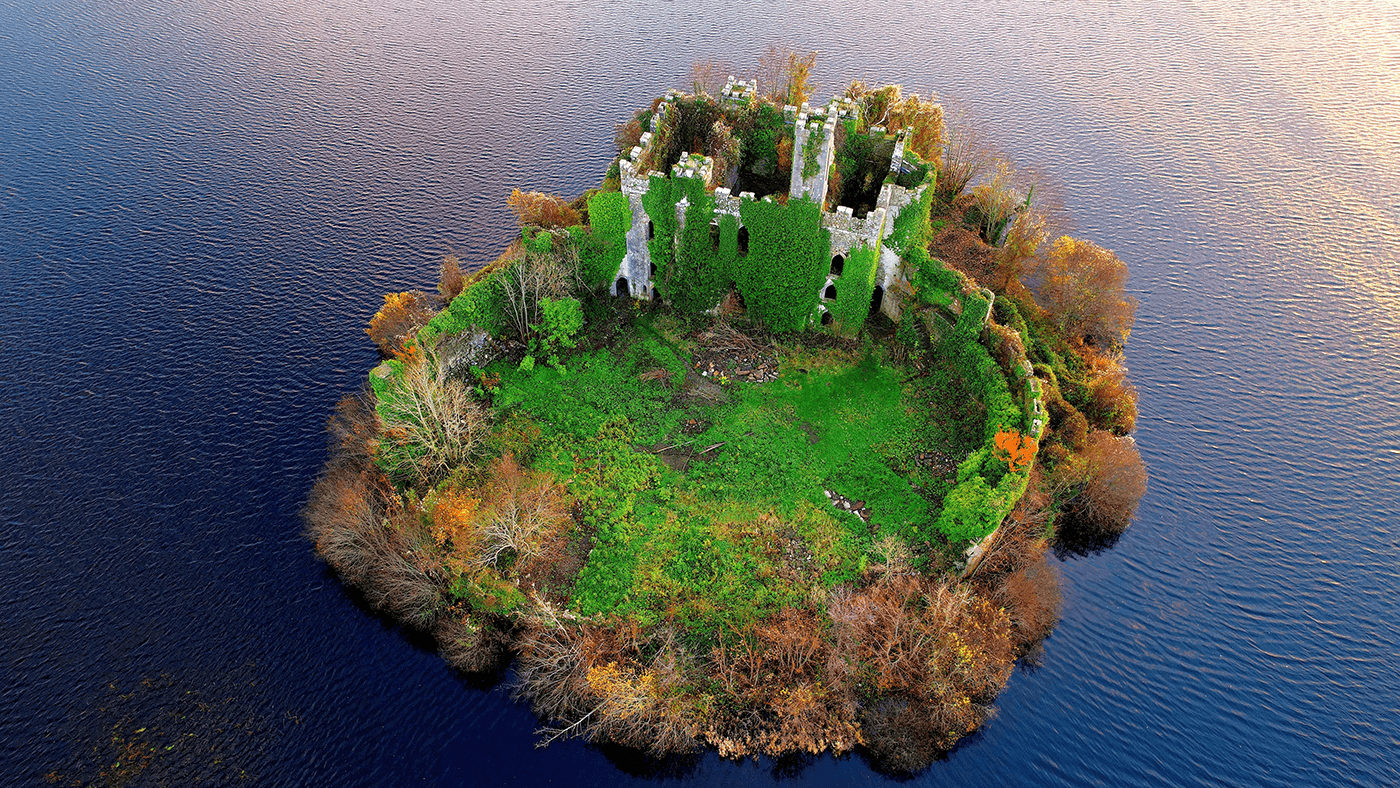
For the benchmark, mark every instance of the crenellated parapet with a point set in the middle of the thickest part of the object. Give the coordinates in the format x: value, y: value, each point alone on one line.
x: 814, y: 136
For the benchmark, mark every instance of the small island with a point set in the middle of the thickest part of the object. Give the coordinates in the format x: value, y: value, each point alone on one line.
x: 760, y: 445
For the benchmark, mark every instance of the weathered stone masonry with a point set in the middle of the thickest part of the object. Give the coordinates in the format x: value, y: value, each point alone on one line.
x: 635, y: 275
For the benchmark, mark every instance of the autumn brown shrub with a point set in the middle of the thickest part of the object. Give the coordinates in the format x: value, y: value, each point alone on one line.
x: 551, y: 670
x: 596, y: 683
x: 922, y: 119
x: 398, y: 320
x: 1031, y: 597
x: 1017, y: 254
x: 545, y: 211
x: 408, y: 580
x: 902, y: 735
x: 930, y: 642
x: 1115, y: 481
x: 628, y: 134
x: 354, y: 427
x: 1112, y: 398
x: 374, y: 543
x: 470, y: 644
x: 450, y: 278
x: 344, y: 517
x: 776, y: 672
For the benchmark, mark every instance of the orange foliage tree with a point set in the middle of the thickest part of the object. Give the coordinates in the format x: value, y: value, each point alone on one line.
x: 1081, y: 285
x: 398, y: 320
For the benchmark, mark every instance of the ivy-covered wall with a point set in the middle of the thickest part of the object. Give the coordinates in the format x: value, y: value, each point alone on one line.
x: 788, y: 258
x: 702, y: 269
x: 854, y: 289
x: 911, y: 227
x: 603, y: 245
x: 985, y: 490
x: 660, y: 205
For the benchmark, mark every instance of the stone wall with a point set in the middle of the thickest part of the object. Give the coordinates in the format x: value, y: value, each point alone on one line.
x: 847, y: 231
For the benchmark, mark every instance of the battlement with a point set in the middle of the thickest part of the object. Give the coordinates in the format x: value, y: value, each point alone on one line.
x: 814, y: 148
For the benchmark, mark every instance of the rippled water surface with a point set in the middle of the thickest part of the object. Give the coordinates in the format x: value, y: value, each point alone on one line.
x: 201, y: 203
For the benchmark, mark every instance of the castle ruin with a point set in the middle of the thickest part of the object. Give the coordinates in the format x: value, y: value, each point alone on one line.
x: 848, y: 228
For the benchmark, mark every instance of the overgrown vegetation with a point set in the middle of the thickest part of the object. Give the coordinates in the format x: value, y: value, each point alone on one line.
x: 706, y: 518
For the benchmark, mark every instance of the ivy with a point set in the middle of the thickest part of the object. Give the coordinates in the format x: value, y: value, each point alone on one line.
x: 811, y: 153
x: 601, y: 250
x: 789, y: 253
x: 480, y: 305
x: 911, y: 226
x: 701, y: 272
x: 854, y: 288
x: 660, y: 204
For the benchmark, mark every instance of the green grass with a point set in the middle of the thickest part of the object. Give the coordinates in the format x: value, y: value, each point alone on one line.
x: 746, y: 529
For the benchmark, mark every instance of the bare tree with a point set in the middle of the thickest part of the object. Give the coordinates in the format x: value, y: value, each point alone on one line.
x: 966, y: 153
x: 709, y: 75
x: 535, y: 275
x: 785, y: 74
x: 520, y: 508
x: 431, y: 423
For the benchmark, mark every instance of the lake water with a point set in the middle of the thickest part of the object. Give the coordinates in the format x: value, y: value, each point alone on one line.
x: 202, y: 202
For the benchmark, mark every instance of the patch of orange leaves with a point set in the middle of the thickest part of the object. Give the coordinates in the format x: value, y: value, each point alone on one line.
x: 1018, y: 451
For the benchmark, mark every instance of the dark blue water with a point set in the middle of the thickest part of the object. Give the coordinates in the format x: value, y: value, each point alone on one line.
x: 202, y: 202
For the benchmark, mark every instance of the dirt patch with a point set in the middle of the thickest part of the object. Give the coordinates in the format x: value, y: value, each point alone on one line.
x: 725, y: 353
x: 964, y: 251
x: 941, y: 464
x: 679, y: 456
x: 554, y: 572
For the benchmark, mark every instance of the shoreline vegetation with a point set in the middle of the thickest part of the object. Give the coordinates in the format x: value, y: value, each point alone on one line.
x: 758, y: 497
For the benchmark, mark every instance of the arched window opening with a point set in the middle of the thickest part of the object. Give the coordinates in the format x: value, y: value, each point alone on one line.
x: 714, y: 234
x: 826, y: 318
x: 838, y: 264
x: 621, y: 288
x: 743, y: 240
x: 876, y: 299
x: 651, y: 231
x: 830, y: 293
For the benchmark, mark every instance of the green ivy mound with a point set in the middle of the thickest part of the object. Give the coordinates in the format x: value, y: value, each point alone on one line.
x: 708, y: 481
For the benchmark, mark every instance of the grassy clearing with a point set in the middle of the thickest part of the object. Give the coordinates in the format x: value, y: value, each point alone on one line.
x: 708, y: 501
